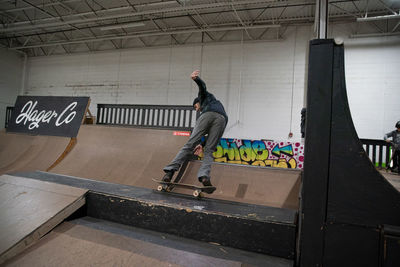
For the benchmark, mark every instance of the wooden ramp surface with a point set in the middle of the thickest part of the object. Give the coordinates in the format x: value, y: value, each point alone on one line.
x: 393, y: 179
x: 76, y: 245
x: 91, y: 242
x: 134, y: 156
x: 19, y: 152
x: 30, y: 208
x: 255, y: 185
x: 130, y: 156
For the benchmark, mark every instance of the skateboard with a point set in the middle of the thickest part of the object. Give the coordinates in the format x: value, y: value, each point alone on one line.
x: 167, y: 187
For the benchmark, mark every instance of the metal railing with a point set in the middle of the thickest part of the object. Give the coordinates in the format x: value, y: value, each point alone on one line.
x: 147, y: 116
x: 378, y: 151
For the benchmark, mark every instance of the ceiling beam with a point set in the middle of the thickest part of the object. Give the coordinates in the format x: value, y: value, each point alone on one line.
x: 387, y: 7
x: 395, y: 27
x: 77, y: 41
x: 241, y: 21
x: 53, y: 16
x: 130, y: 14
x: 195, y: 21
x: 301, y: 20
x: 60, y: 2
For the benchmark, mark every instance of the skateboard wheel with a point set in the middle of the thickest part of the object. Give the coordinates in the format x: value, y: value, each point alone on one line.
x: 160, y: 188
x: 196, y: 193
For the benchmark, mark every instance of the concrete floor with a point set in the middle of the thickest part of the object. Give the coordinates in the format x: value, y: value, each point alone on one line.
x: 91, y: 242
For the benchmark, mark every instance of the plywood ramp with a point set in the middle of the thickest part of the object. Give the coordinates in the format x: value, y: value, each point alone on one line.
x: 392, y: 178
x: 133, y: 156
x: 30, y: 208
x: 129, y: 156
x: 90, y: 242
x: 255, y: 185
x: 19, y: 152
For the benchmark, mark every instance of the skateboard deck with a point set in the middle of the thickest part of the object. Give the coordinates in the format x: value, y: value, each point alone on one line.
x: 167, y: 186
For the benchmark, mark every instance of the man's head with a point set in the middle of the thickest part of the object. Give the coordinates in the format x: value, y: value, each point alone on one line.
x: 196, y: 104
x: 398, y: 126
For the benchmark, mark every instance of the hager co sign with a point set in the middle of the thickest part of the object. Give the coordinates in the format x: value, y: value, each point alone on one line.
x: 48, y: 115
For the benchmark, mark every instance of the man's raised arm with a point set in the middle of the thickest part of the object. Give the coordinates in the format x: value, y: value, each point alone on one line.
x: 202, y: 85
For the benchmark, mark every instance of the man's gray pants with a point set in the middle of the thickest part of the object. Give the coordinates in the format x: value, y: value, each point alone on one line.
x: 210, y: 123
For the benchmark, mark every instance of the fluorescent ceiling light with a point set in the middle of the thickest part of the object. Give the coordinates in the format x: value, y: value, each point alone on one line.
x: 366, y: 35
x: 120, y: 26
x: 394, y: 16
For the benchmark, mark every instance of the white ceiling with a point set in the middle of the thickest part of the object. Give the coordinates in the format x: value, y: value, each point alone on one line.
x: 45, y: 27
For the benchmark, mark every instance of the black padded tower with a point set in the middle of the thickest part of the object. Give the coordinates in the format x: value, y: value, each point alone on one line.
x: 350, y: 213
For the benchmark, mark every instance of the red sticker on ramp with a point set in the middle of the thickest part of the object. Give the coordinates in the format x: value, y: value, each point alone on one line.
x: 182, y: 133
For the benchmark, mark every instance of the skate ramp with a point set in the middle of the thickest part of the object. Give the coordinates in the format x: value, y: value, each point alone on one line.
x: 30, y: 209
x: 256, y: 228
x: 392, y: 178
x: 129, y: 156
x: 19, y: 152
x: 88, y: 241
x: 251, y: 184
x: 135, y: 156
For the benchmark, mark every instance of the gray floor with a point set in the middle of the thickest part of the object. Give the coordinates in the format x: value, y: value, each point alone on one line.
x: 92, y: 242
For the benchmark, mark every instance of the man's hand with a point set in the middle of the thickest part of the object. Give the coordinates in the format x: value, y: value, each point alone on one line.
x: 198, y: 150
x: 388, y: 141
x: 194, y: 74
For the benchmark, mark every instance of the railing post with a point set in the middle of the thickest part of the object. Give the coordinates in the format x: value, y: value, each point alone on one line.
x: 380, y: 155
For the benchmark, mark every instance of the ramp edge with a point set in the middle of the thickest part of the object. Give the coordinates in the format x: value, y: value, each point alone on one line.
x: 46, y: 227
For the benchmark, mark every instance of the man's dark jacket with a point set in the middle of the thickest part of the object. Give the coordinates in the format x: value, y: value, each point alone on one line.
x: 208, y: 102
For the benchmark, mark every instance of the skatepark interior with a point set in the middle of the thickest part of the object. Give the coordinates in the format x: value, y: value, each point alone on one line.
x: 91, y: 200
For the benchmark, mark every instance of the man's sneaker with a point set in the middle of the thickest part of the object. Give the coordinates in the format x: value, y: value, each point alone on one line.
x: 205, y: 181
x: 168, y: 176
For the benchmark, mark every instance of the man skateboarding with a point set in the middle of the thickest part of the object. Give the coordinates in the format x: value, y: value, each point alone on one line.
x: 212, y: 121
x: 396, y: 147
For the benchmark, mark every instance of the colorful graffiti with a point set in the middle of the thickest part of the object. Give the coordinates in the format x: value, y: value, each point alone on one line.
x: 260, y: 153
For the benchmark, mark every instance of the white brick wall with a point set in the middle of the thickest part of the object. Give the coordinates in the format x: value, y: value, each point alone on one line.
x: 254, y: 81
x: 375, y: 98
x: 10, y: 80
x: 372, y: 67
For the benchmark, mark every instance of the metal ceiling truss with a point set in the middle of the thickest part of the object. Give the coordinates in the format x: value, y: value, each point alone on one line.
x: 45, y: 27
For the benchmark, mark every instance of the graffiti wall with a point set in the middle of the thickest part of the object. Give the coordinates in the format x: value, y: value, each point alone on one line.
x: 260, y: 153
